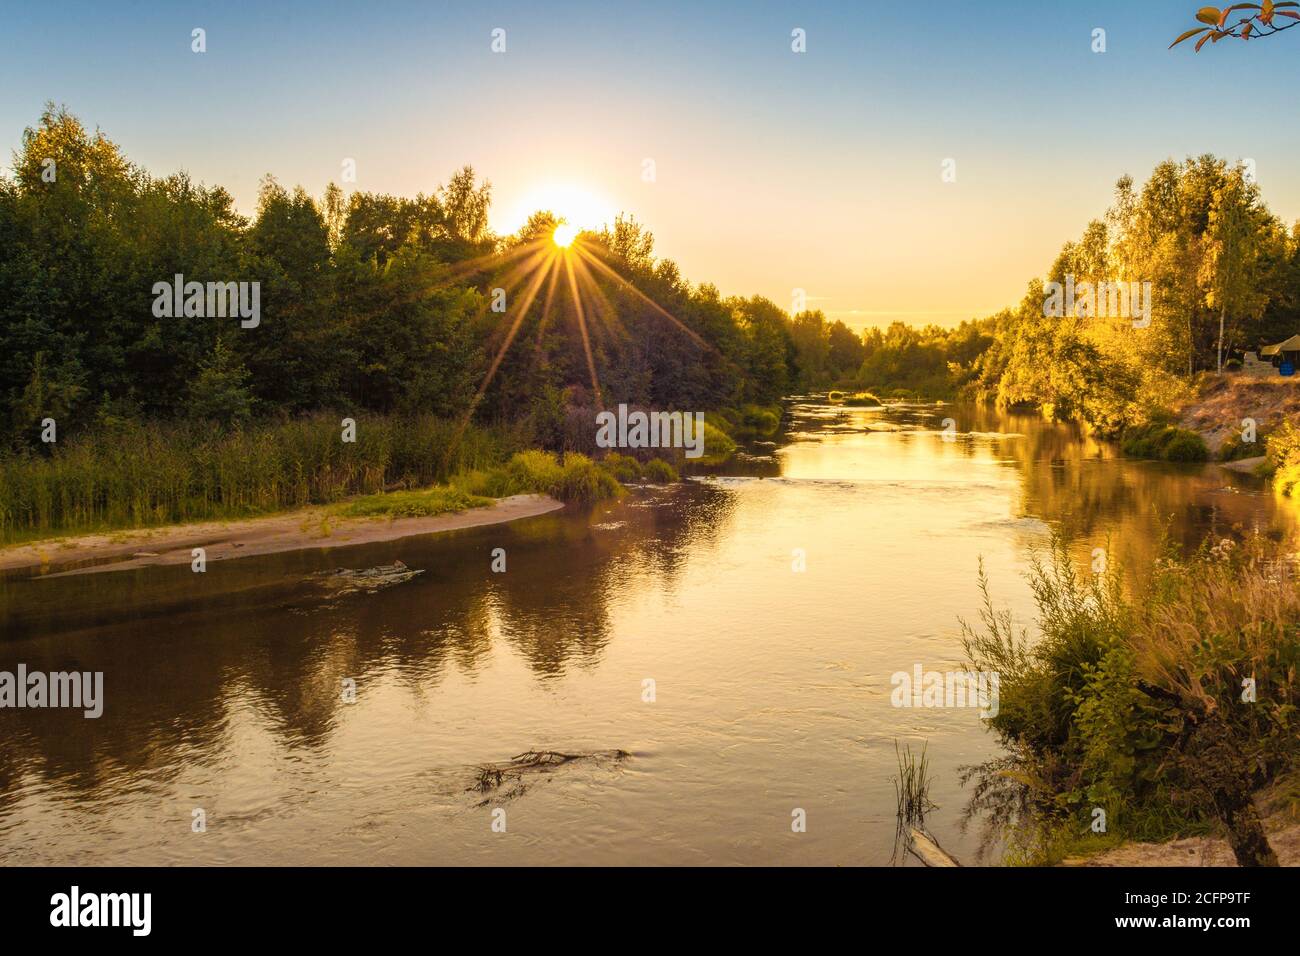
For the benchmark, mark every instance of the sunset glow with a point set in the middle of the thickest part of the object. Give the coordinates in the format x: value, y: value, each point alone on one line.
x: 564, y: 234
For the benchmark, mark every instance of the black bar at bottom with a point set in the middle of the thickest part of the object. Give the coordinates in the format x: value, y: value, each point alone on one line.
x: 909, y: 904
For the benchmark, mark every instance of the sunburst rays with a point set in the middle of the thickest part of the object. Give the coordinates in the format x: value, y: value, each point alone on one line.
x: 538, y: 262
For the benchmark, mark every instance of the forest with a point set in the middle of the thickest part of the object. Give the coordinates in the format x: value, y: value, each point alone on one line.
x: 370, y: 303
x: 410, y: 314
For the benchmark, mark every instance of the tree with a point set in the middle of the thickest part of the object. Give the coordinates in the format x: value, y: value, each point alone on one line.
x: 1232, y: 254
x: 220, y: 393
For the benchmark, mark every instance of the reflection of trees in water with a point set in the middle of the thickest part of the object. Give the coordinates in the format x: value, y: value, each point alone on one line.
x: 175, y: 683
x: 1098, y: 499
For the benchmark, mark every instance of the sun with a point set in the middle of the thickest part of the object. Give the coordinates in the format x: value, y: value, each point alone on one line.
x: 578, y: 207
x: 564, y: 235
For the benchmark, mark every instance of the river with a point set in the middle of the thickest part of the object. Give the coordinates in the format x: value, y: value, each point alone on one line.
x: 723, y: 648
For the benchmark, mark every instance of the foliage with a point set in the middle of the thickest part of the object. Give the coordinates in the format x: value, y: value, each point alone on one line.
x: 573, y: 477
x: 930, y: 362
x: 1164, y: 442
x: 659, y: 472
x: 368, y: 304
x: 1131, y: 701
x: 422, y: 503
x: 1283, y: 450
x: 135, y: 475
x: 1263, y: 23
x: 1234, y: 449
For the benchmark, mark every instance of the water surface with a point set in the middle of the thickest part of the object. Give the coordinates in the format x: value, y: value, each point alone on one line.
x: 771, y: 686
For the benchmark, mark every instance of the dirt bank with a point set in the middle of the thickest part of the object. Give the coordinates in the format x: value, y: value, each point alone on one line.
x: 300, y: 530
x: 1224, y: 400
x: 1279, y: 806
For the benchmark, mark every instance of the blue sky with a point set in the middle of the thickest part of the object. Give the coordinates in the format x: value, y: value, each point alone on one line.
x: 774, y: 170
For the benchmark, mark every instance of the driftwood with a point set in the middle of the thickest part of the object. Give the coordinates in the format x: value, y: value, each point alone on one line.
x: 492, y: 777
x: 926, y: 848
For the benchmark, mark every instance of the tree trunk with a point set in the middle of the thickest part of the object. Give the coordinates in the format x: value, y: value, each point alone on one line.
x: 1223, y: 311
x: 1210, y: 755
x: 1225, y: 773
x: 1245, y: 830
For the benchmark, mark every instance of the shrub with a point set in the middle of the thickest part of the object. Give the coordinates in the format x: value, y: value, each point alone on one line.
x: 1234, y: 449
x: 1164, y: 442
x: 413, y: 504
x: 1283, y: 449
x: 1184, y: 445
x: 581, y: 479
x: 1131, y: 699
x: 577, y: 478
x: 749, y: 421
x: 863, y: 400
x: 623, y: 467
x: 718, y: 446
x: 659, y: 472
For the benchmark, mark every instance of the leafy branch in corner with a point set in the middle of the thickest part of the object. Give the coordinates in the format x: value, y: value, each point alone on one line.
x: 1265, y: 22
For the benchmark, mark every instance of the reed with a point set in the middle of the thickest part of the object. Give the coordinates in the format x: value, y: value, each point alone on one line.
x: 140, y: 475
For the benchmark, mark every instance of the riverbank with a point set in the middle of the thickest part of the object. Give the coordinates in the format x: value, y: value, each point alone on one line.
x: 298, y: 530
x: 1223, y: 402
x: 1279, y: 810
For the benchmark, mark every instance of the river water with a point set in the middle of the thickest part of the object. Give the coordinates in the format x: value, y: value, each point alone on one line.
x: 722, y: 694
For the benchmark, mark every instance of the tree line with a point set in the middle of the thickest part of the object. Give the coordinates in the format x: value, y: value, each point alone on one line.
x: 370, y: 303
x: 379, y: 304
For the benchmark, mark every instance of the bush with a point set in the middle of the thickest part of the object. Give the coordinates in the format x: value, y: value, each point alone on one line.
x: 1184, y: 445
x: 718, y: 445
x: 1283, y: 449
x: 1131, y: 699
x: 1164, y: 442
x: 581, y: 479
x: 577, y: 478
x: 863, y: 400
x: 413, y: 504
x: 1234, y: 449
x: 659, y: 472
x: 749, y: 421
x: 623, y: 467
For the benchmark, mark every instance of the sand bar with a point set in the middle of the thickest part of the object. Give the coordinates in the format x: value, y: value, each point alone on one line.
x: 299, y: 530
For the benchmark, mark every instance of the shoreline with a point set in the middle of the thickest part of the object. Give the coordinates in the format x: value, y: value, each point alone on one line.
x: 303, y: 529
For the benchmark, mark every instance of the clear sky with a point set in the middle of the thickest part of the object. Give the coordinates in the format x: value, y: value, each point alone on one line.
x: 773, y: 170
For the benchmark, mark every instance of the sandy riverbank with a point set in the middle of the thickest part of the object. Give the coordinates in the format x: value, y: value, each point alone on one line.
x: 1279, y: 810
x: 304, y: 529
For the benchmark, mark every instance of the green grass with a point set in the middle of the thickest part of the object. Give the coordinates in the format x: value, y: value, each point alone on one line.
x: 412, y: 504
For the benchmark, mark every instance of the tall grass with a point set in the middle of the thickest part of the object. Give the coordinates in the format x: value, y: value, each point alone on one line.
x: 574, y: 477
x: 912, y: 785
x: 1157, y: 708
x: 151, y: 474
